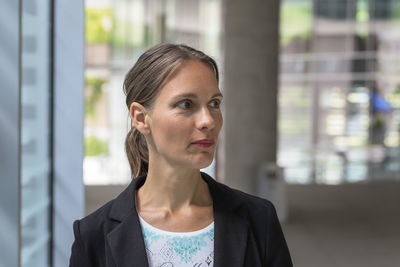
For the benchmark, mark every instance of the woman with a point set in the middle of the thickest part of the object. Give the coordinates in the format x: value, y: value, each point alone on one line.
x: 172, y: 214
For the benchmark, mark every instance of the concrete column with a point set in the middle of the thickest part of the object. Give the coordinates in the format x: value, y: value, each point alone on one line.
x: 251, y: 47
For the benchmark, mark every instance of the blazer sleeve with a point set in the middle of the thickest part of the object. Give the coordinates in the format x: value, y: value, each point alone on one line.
x: 277, y: 254
x: 79, y: 257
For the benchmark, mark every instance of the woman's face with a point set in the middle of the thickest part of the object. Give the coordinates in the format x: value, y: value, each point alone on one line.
x: 185, y: 119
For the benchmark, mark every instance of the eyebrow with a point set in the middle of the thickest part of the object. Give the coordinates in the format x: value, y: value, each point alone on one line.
x: 190, y: 95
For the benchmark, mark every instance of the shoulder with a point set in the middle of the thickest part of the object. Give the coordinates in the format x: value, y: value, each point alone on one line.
x: 240, y: 197
x: 246, y: 204
x: 95, y: 222
x: 249, y: 199
x: 260, y: 213
x: 104, y: 219
x: 89, y: 247
x: 90, y: 233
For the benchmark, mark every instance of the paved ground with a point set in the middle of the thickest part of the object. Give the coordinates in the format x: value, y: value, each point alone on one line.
x: 347, y: 225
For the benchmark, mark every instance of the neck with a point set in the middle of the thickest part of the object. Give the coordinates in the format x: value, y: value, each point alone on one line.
x: 173, y: 189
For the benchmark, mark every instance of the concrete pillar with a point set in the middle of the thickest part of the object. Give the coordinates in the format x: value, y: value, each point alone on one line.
x: 251, y: 50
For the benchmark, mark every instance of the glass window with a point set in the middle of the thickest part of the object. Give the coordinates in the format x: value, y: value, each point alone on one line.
x: 35, y: 136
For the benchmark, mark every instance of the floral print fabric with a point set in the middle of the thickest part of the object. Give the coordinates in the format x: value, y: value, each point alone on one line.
x: 171, y: 249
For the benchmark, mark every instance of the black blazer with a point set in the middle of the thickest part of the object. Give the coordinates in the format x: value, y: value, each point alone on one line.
x: 247, y: 232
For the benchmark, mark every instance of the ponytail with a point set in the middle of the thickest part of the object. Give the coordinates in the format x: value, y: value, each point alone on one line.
x: 137, y: 152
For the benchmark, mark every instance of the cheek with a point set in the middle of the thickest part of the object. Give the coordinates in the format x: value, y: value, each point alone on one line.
x: 171, y: 131
x: 218, y: 123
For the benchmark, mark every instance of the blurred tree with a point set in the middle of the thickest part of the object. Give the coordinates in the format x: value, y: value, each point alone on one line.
x: 296, y: 19
x: 98, y: 25
x: 95, y: 146
x: 94, y: 92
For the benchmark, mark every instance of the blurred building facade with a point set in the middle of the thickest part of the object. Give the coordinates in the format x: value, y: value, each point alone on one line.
x: 340, y: 90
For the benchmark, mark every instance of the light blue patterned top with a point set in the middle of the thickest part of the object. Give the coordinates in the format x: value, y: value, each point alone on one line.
x: 172, y: 249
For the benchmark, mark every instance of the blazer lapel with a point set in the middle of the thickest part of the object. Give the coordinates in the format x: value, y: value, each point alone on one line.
x: 230, y: 240
x: 230, y: 230
x: 126, y: 240
x: 127, y: 244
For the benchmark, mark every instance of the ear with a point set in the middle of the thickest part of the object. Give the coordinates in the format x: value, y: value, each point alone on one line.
x: 139, y: 118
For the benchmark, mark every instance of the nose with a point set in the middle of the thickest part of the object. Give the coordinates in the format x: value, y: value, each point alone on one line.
x: 205, y: 119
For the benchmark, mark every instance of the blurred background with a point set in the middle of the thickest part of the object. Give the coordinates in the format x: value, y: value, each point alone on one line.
x: 311, y: 116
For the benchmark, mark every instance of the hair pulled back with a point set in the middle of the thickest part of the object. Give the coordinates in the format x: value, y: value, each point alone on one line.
x: 142, y: 84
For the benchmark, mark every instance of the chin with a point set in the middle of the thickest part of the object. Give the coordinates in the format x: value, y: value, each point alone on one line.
x: 202, y: 166
x: 198, y: 161
x: 202, y: 163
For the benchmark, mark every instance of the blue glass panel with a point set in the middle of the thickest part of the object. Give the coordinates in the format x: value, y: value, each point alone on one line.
x: 35, y: 134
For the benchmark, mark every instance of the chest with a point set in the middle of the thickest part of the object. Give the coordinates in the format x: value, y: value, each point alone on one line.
x: 185, y: 221
x: 178, y: 249
x: 233, y: 246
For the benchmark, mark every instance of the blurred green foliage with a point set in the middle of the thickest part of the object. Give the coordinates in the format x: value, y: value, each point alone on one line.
x: 98, y: 25
x: 397, y: 90
x: 395, y: 9
x: 94, y: 92
x: 362, y: 12
x: 130, y: 34
x: 394, y: 97
x: 296, y: 19
x: 95, y: 146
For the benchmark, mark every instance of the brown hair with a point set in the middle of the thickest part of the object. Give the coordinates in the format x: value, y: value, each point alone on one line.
x: 142, y: 84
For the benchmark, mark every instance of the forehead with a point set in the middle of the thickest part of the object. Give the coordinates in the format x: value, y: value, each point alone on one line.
x: 191, y: 77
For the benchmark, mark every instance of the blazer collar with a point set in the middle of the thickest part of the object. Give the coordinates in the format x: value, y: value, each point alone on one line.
x: 126, y: 240
x: 230, y: 230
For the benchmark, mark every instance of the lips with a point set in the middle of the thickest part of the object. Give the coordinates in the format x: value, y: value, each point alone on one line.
x: 204, y: 143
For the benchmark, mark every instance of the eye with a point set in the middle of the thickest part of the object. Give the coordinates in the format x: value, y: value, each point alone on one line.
x: 185, y: 104
x: 215, y: 103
